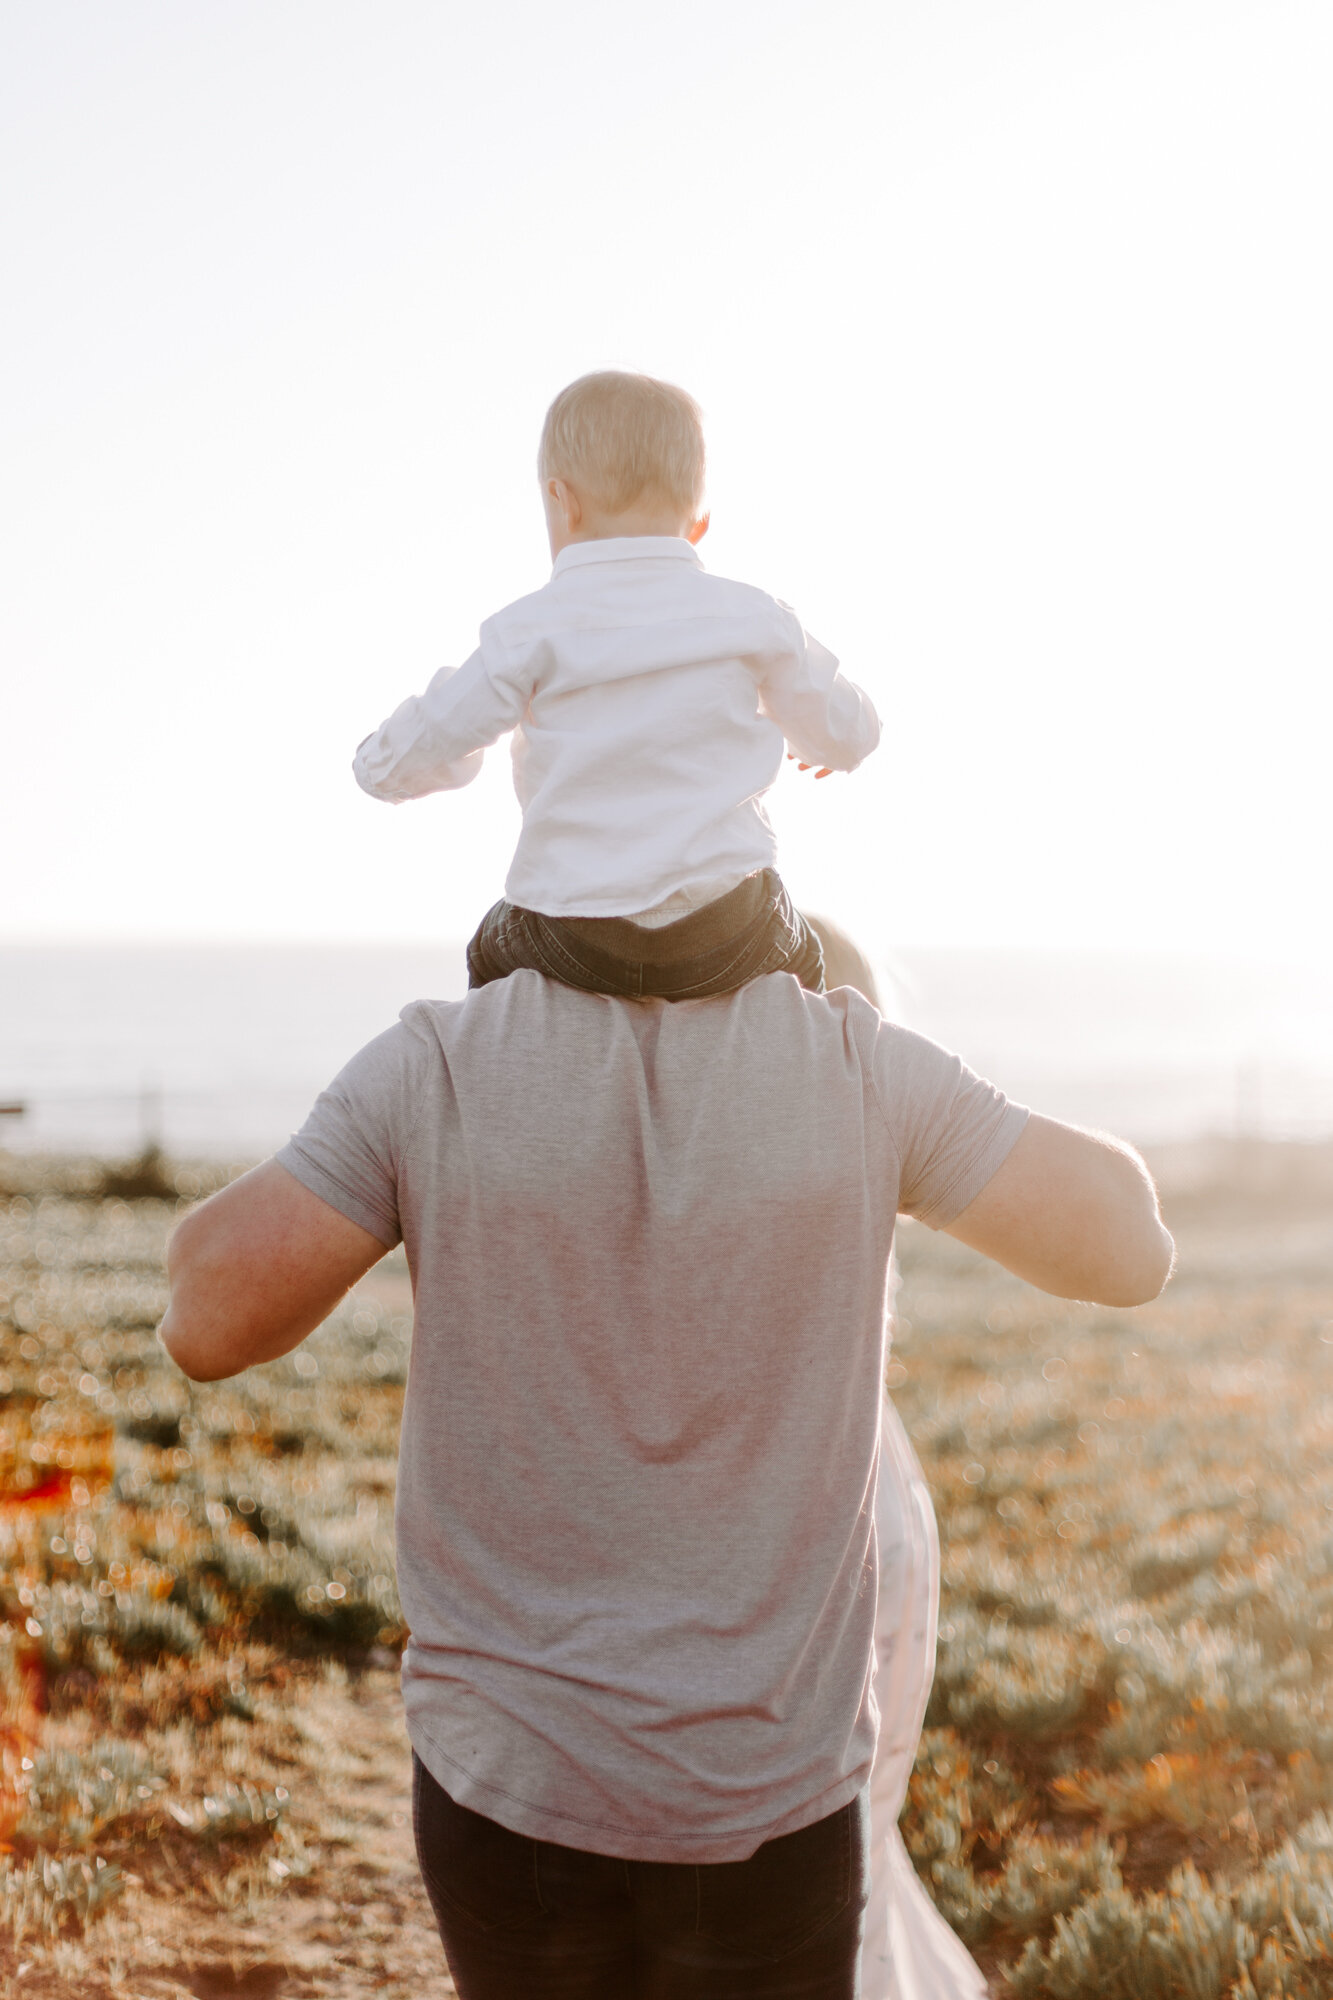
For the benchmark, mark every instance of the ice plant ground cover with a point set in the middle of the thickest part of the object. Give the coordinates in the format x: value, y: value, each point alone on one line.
x: 203, y: 1771
x: 1126, y: 1783
x: 1123, y: 1786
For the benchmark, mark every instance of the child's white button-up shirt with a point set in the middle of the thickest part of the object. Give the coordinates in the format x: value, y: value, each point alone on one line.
x: 649, y: 703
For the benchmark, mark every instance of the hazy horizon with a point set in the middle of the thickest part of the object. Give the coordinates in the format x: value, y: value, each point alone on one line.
x: 219, y: 1049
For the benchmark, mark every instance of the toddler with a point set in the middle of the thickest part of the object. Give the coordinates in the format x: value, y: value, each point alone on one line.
x: 649, y: 703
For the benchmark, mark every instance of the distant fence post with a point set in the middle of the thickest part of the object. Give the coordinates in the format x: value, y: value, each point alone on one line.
x: 150, y: 1115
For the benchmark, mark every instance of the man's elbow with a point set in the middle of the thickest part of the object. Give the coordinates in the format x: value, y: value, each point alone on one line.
x: 189, y: 1339
x: 185, y: 1332
x: 193, y: 1355
x: 1141, y: 1272
x: 1145, y: 1252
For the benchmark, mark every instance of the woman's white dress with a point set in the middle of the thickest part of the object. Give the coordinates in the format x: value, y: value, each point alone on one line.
x: 909, y: 1951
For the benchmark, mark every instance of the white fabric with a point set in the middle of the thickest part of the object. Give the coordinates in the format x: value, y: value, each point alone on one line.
x: 685, y: 900
x: 909, y: 1952
x: 649, y: 703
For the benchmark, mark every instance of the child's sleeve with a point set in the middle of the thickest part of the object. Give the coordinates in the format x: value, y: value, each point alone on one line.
x: 433, y: 742
x: 825, y: 718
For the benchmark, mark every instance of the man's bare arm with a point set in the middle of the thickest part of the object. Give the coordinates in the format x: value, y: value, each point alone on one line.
x: 255, y: 1269
x: 1075, y: 1214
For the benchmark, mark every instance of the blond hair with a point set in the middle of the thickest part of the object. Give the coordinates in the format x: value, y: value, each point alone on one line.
x: 619, y: 439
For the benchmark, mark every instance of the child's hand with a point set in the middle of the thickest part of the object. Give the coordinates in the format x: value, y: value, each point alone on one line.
x: 827, y: 771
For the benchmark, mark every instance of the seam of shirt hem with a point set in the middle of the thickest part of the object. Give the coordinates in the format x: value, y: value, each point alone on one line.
x: 332, y: 1181
x: 942, y: 1203
x: 573, y: 1819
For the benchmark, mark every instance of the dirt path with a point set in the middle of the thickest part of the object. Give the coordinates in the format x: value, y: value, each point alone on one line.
x: 356, y: 1923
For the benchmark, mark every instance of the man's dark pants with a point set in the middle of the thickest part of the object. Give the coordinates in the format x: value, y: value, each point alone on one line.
x: 525, y: 1919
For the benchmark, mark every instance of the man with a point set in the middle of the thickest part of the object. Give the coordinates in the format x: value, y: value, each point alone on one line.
x: 649, y: 1247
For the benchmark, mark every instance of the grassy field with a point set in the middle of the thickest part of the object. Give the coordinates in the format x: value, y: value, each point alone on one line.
x: 1128, y: 1762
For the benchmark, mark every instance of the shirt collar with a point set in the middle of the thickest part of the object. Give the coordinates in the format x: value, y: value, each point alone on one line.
x: 626, y: 548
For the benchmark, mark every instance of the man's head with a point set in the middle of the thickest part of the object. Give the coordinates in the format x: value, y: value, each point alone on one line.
x: 622, y: 455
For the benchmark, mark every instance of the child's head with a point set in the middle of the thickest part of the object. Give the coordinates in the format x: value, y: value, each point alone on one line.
x: 629, y: 452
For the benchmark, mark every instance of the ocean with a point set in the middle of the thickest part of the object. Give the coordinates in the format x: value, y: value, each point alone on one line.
x: 216, y: 1051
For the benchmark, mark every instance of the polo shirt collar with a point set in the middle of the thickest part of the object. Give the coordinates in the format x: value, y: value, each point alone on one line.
x: 626, y: 548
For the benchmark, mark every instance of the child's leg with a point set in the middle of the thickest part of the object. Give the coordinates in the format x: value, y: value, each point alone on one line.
x: 798, y: 941
x: 713, y: 951
x: 511, y: 939
x: 751, y: 931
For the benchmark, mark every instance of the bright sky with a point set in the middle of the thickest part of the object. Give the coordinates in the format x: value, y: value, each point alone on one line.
x: 1012, y: 323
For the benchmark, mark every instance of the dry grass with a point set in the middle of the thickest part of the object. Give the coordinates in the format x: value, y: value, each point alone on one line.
x: 203, y: 1770
x: 1132, y: 1717
x: 202, y: 1765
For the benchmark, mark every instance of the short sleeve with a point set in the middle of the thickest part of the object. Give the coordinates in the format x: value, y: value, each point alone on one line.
x: 952, y: 1130
x: 349, y: 1149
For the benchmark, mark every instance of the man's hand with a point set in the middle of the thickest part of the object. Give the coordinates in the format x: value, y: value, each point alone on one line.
x: 256, y: 1268
x: 792, y: 758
